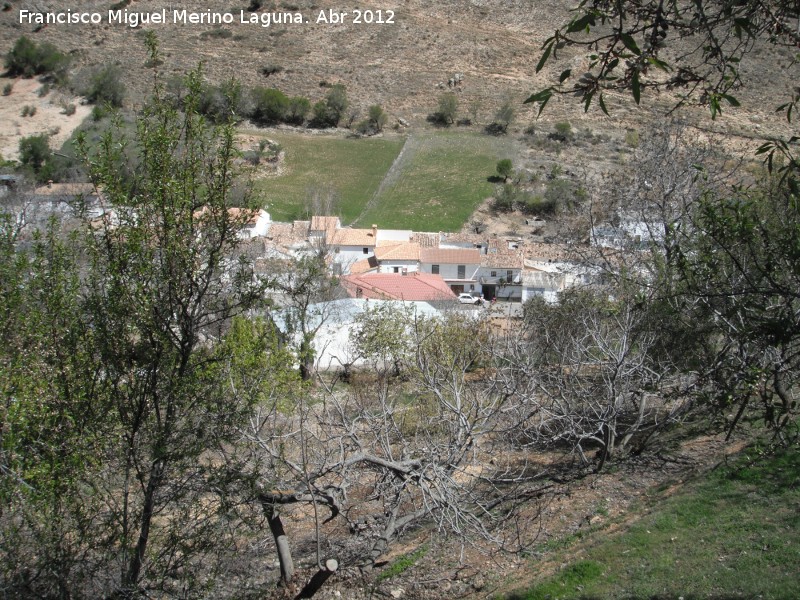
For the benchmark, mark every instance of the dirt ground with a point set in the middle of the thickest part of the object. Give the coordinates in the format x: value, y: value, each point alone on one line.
x: 49, y: 119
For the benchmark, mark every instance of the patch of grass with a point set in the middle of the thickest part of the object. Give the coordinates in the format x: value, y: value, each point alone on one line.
x: 352, y: 168
x: 402, y: 564
x: 442, y: 179
x: 732, y: 535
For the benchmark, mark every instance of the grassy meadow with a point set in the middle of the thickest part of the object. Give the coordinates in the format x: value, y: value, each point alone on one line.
x: 437, y: 181
x: 352, y: 168
x: 733, y: 534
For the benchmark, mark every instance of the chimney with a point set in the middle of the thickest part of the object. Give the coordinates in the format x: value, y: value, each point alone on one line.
x: 374, y: 232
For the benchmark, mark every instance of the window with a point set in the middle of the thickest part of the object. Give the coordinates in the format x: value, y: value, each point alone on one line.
x: 509, y: 276
x: 366, y: 250
x: 462, y: 271
x: 435, y: 269
x: 396, y: 269
x: 494, y: 273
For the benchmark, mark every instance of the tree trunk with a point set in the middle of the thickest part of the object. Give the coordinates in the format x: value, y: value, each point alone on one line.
x: 319, y: 579
x: 281, y: 542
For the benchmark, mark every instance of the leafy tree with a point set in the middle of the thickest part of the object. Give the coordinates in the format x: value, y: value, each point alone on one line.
x: 106, y: 87
x: 35, y: 152
x: 634, y: 47
x: 223, y: 103
x: 447, y: 109
x: 336, y: 103
x: 377, y: 117
x: 27, y: 59
x: 505, y: 168
x: 270, y: 106
x: 297, y: 110
x: 503, y: 118
x: 124, y: 420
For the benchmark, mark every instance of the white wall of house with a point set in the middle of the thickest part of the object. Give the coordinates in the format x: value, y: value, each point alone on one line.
x: 389, y: 266
x: 448, y: 271
x: 347, y: 255
x: 394, y: 235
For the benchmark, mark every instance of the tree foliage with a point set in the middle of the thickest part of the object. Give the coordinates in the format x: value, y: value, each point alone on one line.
x: 27, y: 58
x: 656, y: 44
x: 118, y: 430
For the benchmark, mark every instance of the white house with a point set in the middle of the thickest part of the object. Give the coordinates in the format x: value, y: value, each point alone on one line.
x: 349, y: 246
x: 458, y: 267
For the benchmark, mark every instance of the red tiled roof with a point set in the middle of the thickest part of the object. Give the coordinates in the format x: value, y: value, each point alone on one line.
x: 447, y: 256
x: 392, y: 286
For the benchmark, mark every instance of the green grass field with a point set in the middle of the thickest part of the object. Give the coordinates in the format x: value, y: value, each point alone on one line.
x: 436, y: 184
x: 439, y: 181
x: 732, y: 535
x: 353, y: 168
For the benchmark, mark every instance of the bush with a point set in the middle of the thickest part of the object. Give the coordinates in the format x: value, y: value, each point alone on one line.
x: 269, y: 106
x: 28, y: 111
x: 27, y: 59
x: 505, y: 198
x: 44, y: 90
x: 447, y: 109
x: 69, y: 109
x: 505, y: 168
x: 106, y: 87
x: 377, y: 117
x: 34, y: 152
x: 632, y: 138
x: 563, y: 132
x: 329, y: 112
x: 536, y: 205
x: 271, y: 69
x: 7, y: 89
x: 297, y: 110
x: 222, y: 103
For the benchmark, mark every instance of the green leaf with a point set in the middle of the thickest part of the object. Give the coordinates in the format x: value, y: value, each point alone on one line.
x: 731, y: 100
x: 544, y: 58
x: 587, y: 101
x: 603, y: 105
x: 564, y: 75
x: 630, y: 44
x: 636, y: 87
x: 581, y: 24
x: 542, y: 96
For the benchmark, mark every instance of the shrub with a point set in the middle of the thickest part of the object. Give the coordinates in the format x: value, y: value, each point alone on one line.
x: 632, y: 138
x: 505, y: 168
x: 34, y: 152
x: 106, y: 87
x: 7, y: 89
x: 44, y: 90
x: 269, y: 106
x: 563, y: 132
x: 28, y: 110
x: 447, y: 109
x: 329, y: 112
x: 377, y: 117
x: 98, y: 112
x: 297, y: 110
x: 536, y: 205
x: 504, y: 198
x: 270, y: 69
x: 503, y: 118
x: 222, y: 103
x: 69, y: 109
x: 27, y: 59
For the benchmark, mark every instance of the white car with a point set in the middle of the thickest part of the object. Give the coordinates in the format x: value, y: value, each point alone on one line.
x: 465, y: 298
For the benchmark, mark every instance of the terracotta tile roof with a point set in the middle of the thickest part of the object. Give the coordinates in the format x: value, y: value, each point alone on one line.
x: 446, y: 256
x: 397, y: 251
x: 511, y: 259
x: 364, y: 265
x: 391, y: 286
x: 426, y: 240
x: 252, y: 215
x: 352, y: 237
x: 462, y: 237
x: 286, y: 234
x: 326, y: 224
